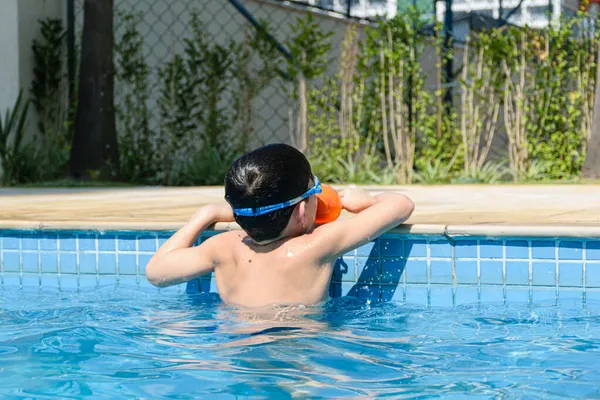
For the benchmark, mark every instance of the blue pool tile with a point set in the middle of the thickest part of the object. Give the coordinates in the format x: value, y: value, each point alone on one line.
x: 491, y: 272
x: 128, y: 281
x: 368, y: 270
x: 146, y: 286
x: 347, y: 289
x: 392, y: 270
x: 67, y: 242
x: 466, y: 295
x: 87, y: 242
x: 11, y: 242
x: 592, y: 275
x: 416, y: 271
x: 465, y: 249
x: 11, y: 261
x: 391, y: 248
x: 543, y: 296
x: 206, y: 286
x: 517, y: 273
x: 441, y: 271
x: 127, y: 264
x: 440, y: 249
x: 48, y: 241
x: 415, y: 248
x: 570, y: 274
x: 466, y: 271
x: 147, y: 243
x: 333, y: 289
x: 162, y: 238
x: 11, y: 281
x: 544, y: 273
x: 106, y: 242
x: 107, y: 264
x: 370, y: 249
x: 49, y: 262
x: 87, y: 263
x: 31, y: 262
x: 517, y: 249
x: 417, y: 295
x: 441, y: 296
x: 127, y: 243
x: 592, y: 296
x: 191, y: 287
x: 106, y: 280
x: 30, y: 242
x: 69, y: 282
x: 67, y: 263
x: 368, y: 292
x: 490, y: 249
x: 351, y: 253
x: 144, y: 259
x: 570, y: 296
x: 592, y: 251
x: 492, y: 294
x: 517, y: 295
x: 544, y: 249
x: 570, y: 250
x: 49, y: 282
x: 30, y: 281
x: 393, y: 293
x: 87, y: 281
x: 344, y: 270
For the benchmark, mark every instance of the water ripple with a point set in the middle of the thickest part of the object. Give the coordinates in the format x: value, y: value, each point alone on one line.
x: 119, y: 344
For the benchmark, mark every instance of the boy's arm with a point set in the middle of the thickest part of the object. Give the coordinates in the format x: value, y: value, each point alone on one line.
x: 375, y: 215
x: 176, y: 261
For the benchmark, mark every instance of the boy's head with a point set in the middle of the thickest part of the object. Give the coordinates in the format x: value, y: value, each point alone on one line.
x: 267, y: 176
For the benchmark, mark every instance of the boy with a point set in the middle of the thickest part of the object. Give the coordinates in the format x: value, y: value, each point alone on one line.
x: 279, y: 257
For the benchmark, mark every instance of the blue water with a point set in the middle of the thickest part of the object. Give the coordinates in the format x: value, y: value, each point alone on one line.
x: 128, y: 344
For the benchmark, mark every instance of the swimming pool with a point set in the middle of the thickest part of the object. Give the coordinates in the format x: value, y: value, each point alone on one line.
x: 425, y: 315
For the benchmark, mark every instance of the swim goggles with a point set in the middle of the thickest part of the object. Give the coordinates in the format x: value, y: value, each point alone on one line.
x: 255, y: 212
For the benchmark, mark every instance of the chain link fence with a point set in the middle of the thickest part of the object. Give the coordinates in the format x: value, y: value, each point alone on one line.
x: 165, y: 25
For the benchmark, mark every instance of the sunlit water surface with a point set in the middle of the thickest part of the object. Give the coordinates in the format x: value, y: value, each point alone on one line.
x: 126, y: 343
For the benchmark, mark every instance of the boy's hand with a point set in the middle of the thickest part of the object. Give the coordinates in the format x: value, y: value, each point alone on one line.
x: 215, y: 213
x: 356, y: 200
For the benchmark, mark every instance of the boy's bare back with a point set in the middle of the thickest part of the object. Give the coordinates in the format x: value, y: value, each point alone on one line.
x: 280, y: 257
x: 284, y: 272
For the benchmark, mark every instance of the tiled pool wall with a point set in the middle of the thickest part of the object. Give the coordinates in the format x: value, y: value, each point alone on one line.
x: 426, y: 270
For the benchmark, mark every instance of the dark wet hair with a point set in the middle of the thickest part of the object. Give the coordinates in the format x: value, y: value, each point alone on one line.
x: 268, y: 175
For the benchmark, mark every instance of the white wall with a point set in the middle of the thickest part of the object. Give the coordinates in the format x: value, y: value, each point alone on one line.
x: 18, y: 27
x: 9, y: 54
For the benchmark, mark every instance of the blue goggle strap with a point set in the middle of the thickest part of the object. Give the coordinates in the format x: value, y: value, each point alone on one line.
x: 255, y: 212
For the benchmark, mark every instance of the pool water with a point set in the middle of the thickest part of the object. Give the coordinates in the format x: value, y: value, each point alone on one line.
x: 124, y: 343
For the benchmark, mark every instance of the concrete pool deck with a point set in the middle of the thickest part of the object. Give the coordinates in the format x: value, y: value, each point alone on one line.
x: 456, y: 210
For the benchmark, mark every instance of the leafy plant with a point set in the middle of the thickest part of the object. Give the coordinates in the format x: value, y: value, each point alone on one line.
x: 548, y: 96
x: 489, y: 173
x: 205, y: 167
x: 18, y: 159
x: 255, y: 66
x: 50, y: 98
x: 436, y: 172
x: 138, y: 162
x: 535, y: 171
x: 48, y: 88
x: 309, y: 48
x: 195, y: 115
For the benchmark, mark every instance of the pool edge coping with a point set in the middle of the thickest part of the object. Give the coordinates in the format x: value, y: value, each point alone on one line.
x: 450, y: 231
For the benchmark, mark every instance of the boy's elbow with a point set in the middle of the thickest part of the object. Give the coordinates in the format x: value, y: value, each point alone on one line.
x: 407, y: 208
x: 153, y: 275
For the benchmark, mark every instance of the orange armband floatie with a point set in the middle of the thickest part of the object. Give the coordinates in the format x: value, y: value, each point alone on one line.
x: 329, y: 205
